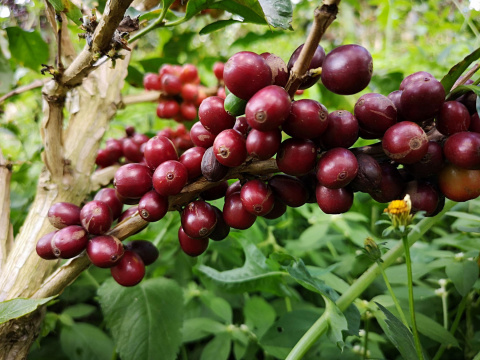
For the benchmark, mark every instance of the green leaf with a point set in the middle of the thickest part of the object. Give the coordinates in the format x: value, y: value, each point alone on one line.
x: 217, y: 25
x: 259, y: 315
x: 282, y: 336
x: 398, y: 333
x: 255, y: 275
x: 134, y: 77
x: 27, y: 47
x: 463, y: 275
x: 430, y: 328
x: 462, y: 89
x: 15, y: 308
x: 79, y: 310
x: 218, y: 305
x: 198, y: 328
x: 278, y: 13
x: 67, y: 7
x: 218, y: 348
x: 145, y: 320
x: 247, y: 14
x: 457, y: 70
x: 83, y: 341
x: 336, y: 322
x: 6, y: 74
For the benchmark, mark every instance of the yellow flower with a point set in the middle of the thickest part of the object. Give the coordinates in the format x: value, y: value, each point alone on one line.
x: 399, y: 212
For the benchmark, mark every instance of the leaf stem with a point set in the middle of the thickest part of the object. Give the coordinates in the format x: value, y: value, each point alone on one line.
x: 157, y: 23
x: 367, y: 330
x: 411, y: 304
x: 394, y: 298
x: 445, y: 309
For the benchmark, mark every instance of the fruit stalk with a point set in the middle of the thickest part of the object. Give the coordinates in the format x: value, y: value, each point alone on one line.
x: 359, y: 286
x: 323, y: 17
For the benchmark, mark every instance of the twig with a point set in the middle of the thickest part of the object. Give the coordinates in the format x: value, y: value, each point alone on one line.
x: 323, y: 17
x: 147, y: 96
x: 21, y: 89
x: 58, y: 58
x: 102, y: 177
x: 5, y: 174
x: 467, y: 76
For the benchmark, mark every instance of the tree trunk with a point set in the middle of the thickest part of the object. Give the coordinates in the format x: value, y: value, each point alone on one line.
x: 65, y: 178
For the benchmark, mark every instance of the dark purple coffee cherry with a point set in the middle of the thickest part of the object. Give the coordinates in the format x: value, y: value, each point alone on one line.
x: 391, y: 186
x: 213, y: 116
x: 216, y: 192
x: 289, y: 189
x: 337, y: 168
x: 132, y: 151
x: 245, y: 73
x: 452, y: 118
x: 369, y: 174
x: 334, y: 201
x: 169, y: 178
x: 152, y: 206
x: 422, y: 99
x: 316, y: 62
x: 133, y: 180
x: 347, y: 69
x: 395, y: 96
x: 96, y: 217
x: 235, y: 214
x: 308, y: 119
x: 198, y: 219
x: 69, y: 241
x: 417, y: 76
x: 241, y: 125
x: 158, y: 150
x: 463, y: 150
x: 63, y: 214
x: 109, y: 197
x: 423, y: 195
x: 229, y: 148
x: 129, y: 270
x: 279, y: 208
x: 233, y: 188
x: 44, y: 246
x: 268, y: 108
x: 192, y: 246
x: 257, y: 197
x: 263, y: 145
x: 431, y: 163
x: 221, y: 230
x: 405, y: 142
x: 192, y: 160
x: 375, y: 113
x: 145, y: 249
x: 211, y: 168
x: 342, y: 130
x: 104, y: 251
x: 296, y: 156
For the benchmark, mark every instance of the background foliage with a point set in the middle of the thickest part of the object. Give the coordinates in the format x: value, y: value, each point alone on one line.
x: 254, y: 295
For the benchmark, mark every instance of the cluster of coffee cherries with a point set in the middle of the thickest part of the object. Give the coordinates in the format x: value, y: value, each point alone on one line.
x: 181, y: 91
x: 86, y: 229
x: 130, y: 148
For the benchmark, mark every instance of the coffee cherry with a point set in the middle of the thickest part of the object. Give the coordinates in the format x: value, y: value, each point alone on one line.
x: 133, y: 180
x: 459, y: 184
x: 405, y: 142
x: 131, y: 211
x: 347, y: 69
x: 211, y: 168
x: 109, y: 197
x: 369, y: 174
x: 190, y: 246
x: 189, y: 93
x: 63, y: 214
x: 289, y: 189
x: 131, y: 150
x: 263, y: 145
x: 268, y: 108
x: 375, y: 113
x: 145, y: 249
x: 235, y: 214
x: 201, y: 136
x: 233, y: 188
x: 296, y: 156
x: 278, y: 68
x: 337, y: 168
x: 198, y: 219
x: 422, y: 99
x: 96, y: 217
x: 189, y: 73
x: 334, y: 201
x: 257, y: 197
x: 245, y: 73
x: 391, y: 185
x: 474, y: 123
x: 158, y: 150
x: 229, y: 148
x: 171, y: 84
x: 430, y: 164
x: 216, y: 192
x: 104, y: 251
x: 168, y: 109
x: 188, y: 111
x: 152, y: 82
x: 279, y: 208
x: 452, y: 118
x: 218, y: 70
x: 213, y: 116
x: 424, y: 196
x: 308, y: 119
x: 342, y: 130
x: 44, y: 246
x: 463, y: 150
x: 221, y: 230
x: 316, y: 62
x: 241, y: 125
x: 417, y: 76
x: 129, y: 270
x: 152, y: 206
x: 395, y: 96
x: 169, y: 178
x: 69, y: 241
x: 192, y: 160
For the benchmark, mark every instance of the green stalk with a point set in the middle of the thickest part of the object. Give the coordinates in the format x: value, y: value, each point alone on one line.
x: 365, y: 344
x: 157, y: 23
x: 411, y: 303
x: 358, y: 287
x: 395, y: 300
x: 445, y: 310
x: 458, y: 316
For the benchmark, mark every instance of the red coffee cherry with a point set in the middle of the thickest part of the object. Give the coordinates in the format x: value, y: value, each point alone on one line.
x: 308, y: 119
x: 201, y: 136
x: 96, y: 217
x: 268, y: 108
x: 296, y: 156
x: 342, y: 130
x: 263, y: 145
x: 192, y: 160
x: 337, y: 168
x: 235, y: 214
x: 288, y: 189
x: 375, y: 113
x: 152, y: 206
x: 213, y: 116
x: 257, y: 197
x: 169, y: 178
x: 69, y: 241
x: 44, y: 246
x: 405, y: 142
x: 129, y: 270
x: 191, y: 246
x: 459, y: 184
x: 158, y: 150
x: 109, y: 197
x: 229, y: 148
x: 133, y: 180
x: 463, y: 150
x: 63, y: 214
x: 198, y: 219
x: 104, y: 251
x: 334, y: 201
x: 278, y: 68
x: 452, y: 118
